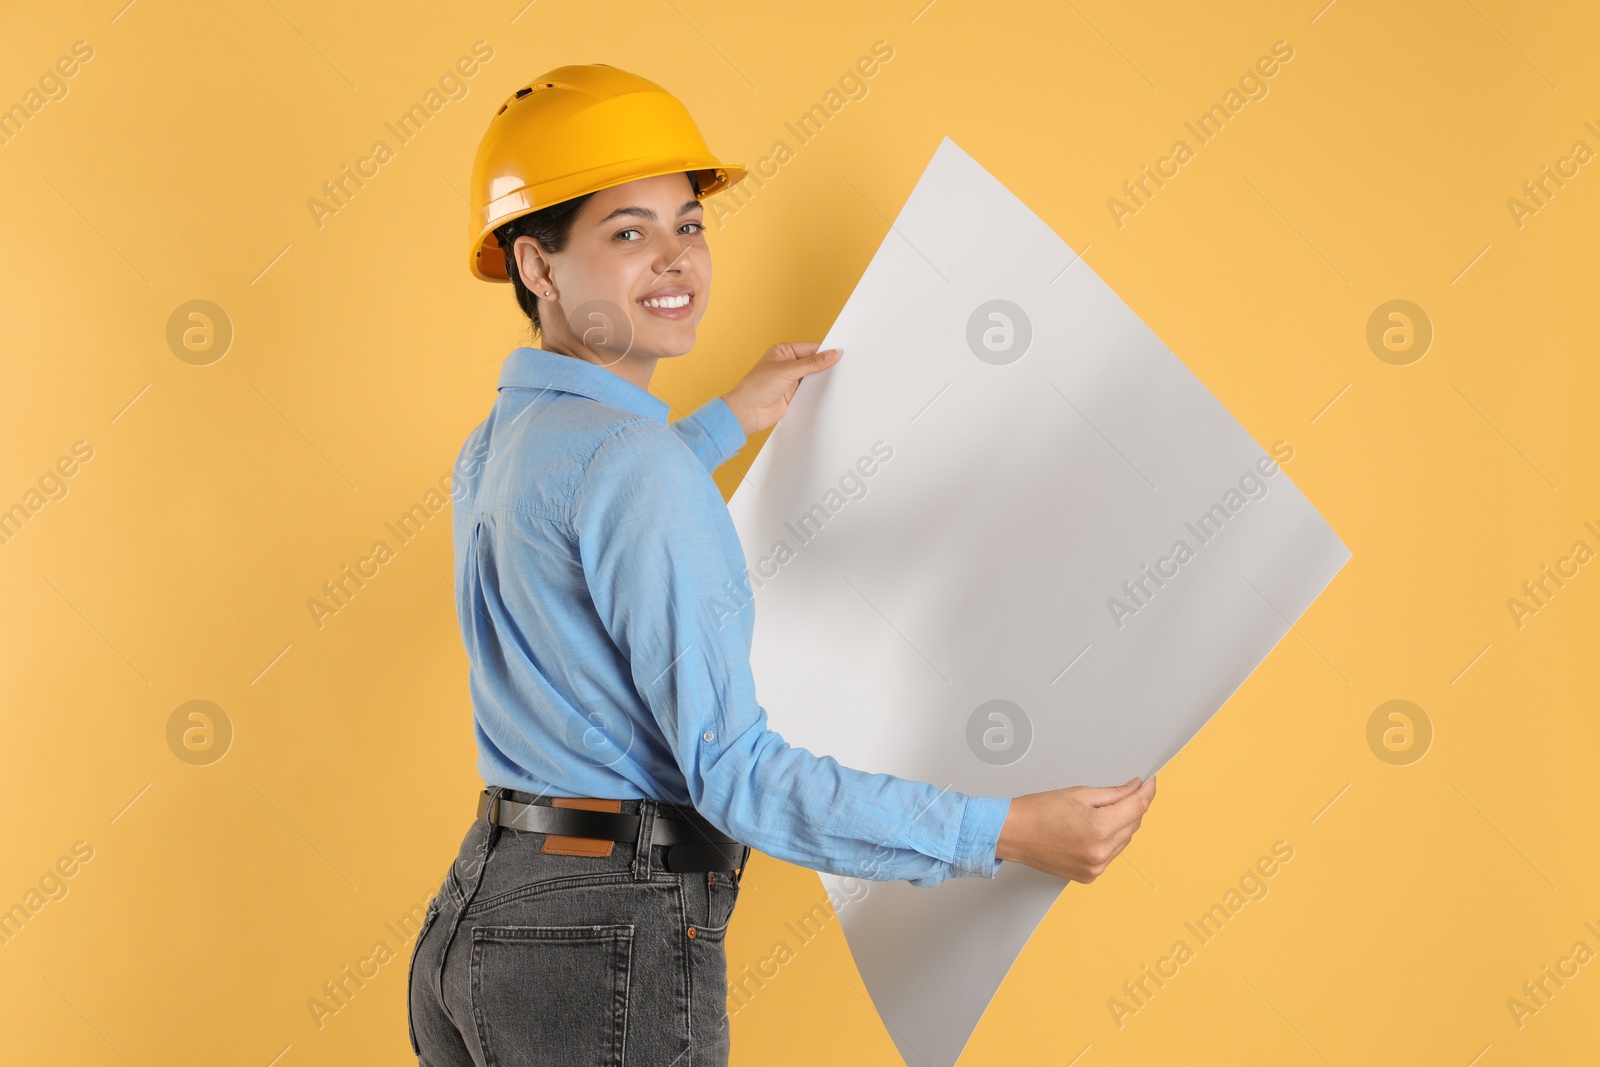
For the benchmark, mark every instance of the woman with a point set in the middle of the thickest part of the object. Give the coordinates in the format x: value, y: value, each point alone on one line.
x: 630, y: 768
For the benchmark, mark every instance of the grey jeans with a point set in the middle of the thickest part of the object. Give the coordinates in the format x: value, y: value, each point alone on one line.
x: 532, y: 959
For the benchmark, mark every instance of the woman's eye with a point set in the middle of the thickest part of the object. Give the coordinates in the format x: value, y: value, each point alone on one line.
x: 698, y: 227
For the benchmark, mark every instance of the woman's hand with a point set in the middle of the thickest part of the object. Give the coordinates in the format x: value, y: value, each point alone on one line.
x: 1074, y: 833
x: 762, y: 396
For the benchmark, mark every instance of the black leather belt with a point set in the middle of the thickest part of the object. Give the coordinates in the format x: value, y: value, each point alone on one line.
x: 692, y: 843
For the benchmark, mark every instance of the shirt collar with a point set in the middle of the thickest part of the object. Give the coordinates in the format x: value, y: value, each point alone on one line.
x: 538, y: 368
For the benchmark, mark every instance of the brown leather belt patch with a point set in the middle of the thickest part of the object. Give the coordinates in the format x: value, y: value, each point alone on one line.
x: 564, y: 845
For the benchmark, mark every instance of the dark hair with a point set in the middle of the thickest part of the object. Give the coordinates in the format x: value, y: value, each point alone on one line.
x: 551, y: 227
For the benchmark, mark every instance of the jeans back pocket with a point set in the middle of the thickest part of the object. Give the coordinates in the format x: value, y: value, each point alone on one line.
x: 557, y: 992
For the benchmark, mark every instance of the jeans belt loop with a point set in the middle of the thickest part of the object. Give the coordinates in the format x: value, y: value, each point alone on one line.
x: 738, y: 875
x: 642, y: 858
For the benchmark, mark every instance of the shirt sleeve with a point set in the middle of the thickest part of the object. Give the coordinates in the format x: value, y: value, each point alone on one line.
x: 712, y: 433
x: 664, y: 568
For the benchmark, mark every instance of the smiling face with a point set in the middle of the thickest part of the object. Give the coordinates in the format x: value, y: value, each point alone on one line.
x: 632, y: 282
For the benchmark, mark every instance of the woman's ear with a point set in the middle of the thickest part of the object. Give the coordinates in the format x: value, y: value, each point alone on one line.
x: 532, y: 265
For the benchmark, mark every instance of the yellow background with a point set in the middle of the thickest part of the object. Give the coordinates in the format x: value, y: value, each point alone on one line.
x: 219, y: 498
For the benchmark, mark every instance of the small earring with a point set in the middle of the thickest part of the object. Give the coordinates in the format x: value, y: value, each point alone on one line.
x: 547, y: 292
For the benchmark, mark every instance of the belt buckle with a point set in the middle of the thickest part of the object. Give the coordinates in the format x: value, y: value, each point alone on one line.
x: 567, y: 845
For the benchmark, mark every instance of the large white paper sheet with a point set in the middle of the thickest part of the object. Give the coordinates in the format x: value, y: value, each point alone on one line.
x: 963, y: 541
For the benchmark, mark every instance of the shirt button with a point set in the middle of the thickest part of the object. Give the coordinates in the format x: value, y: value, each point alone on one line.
x: 708, y: 735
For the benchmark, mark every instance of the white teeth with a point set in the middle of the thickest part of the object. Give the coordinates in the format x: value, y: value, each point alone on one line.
x: 668, y: 302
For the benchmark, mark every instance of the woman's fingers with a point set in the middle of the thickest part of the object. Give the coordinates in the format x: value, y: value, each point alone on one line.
x: 1127, y: 811
x: 796, y: 360
x: 804, y: 351
x: 793, y: 349
x: 1098, y: 796
x: 824, y: 360
x: 1118, y: 834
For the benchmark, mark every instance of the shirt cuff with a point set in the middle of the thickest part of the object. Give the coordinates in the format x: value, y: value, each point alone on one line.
x: 712, y: 433
x: 980, y: 837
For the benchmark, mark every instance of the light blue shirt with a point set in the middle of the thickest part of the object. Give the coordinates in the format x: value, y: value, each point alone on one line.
x: 594, y: 558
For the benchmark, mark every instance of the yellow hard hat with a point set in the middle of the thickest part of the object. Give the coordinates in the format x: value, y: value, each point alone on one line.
x: 575, y: 130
